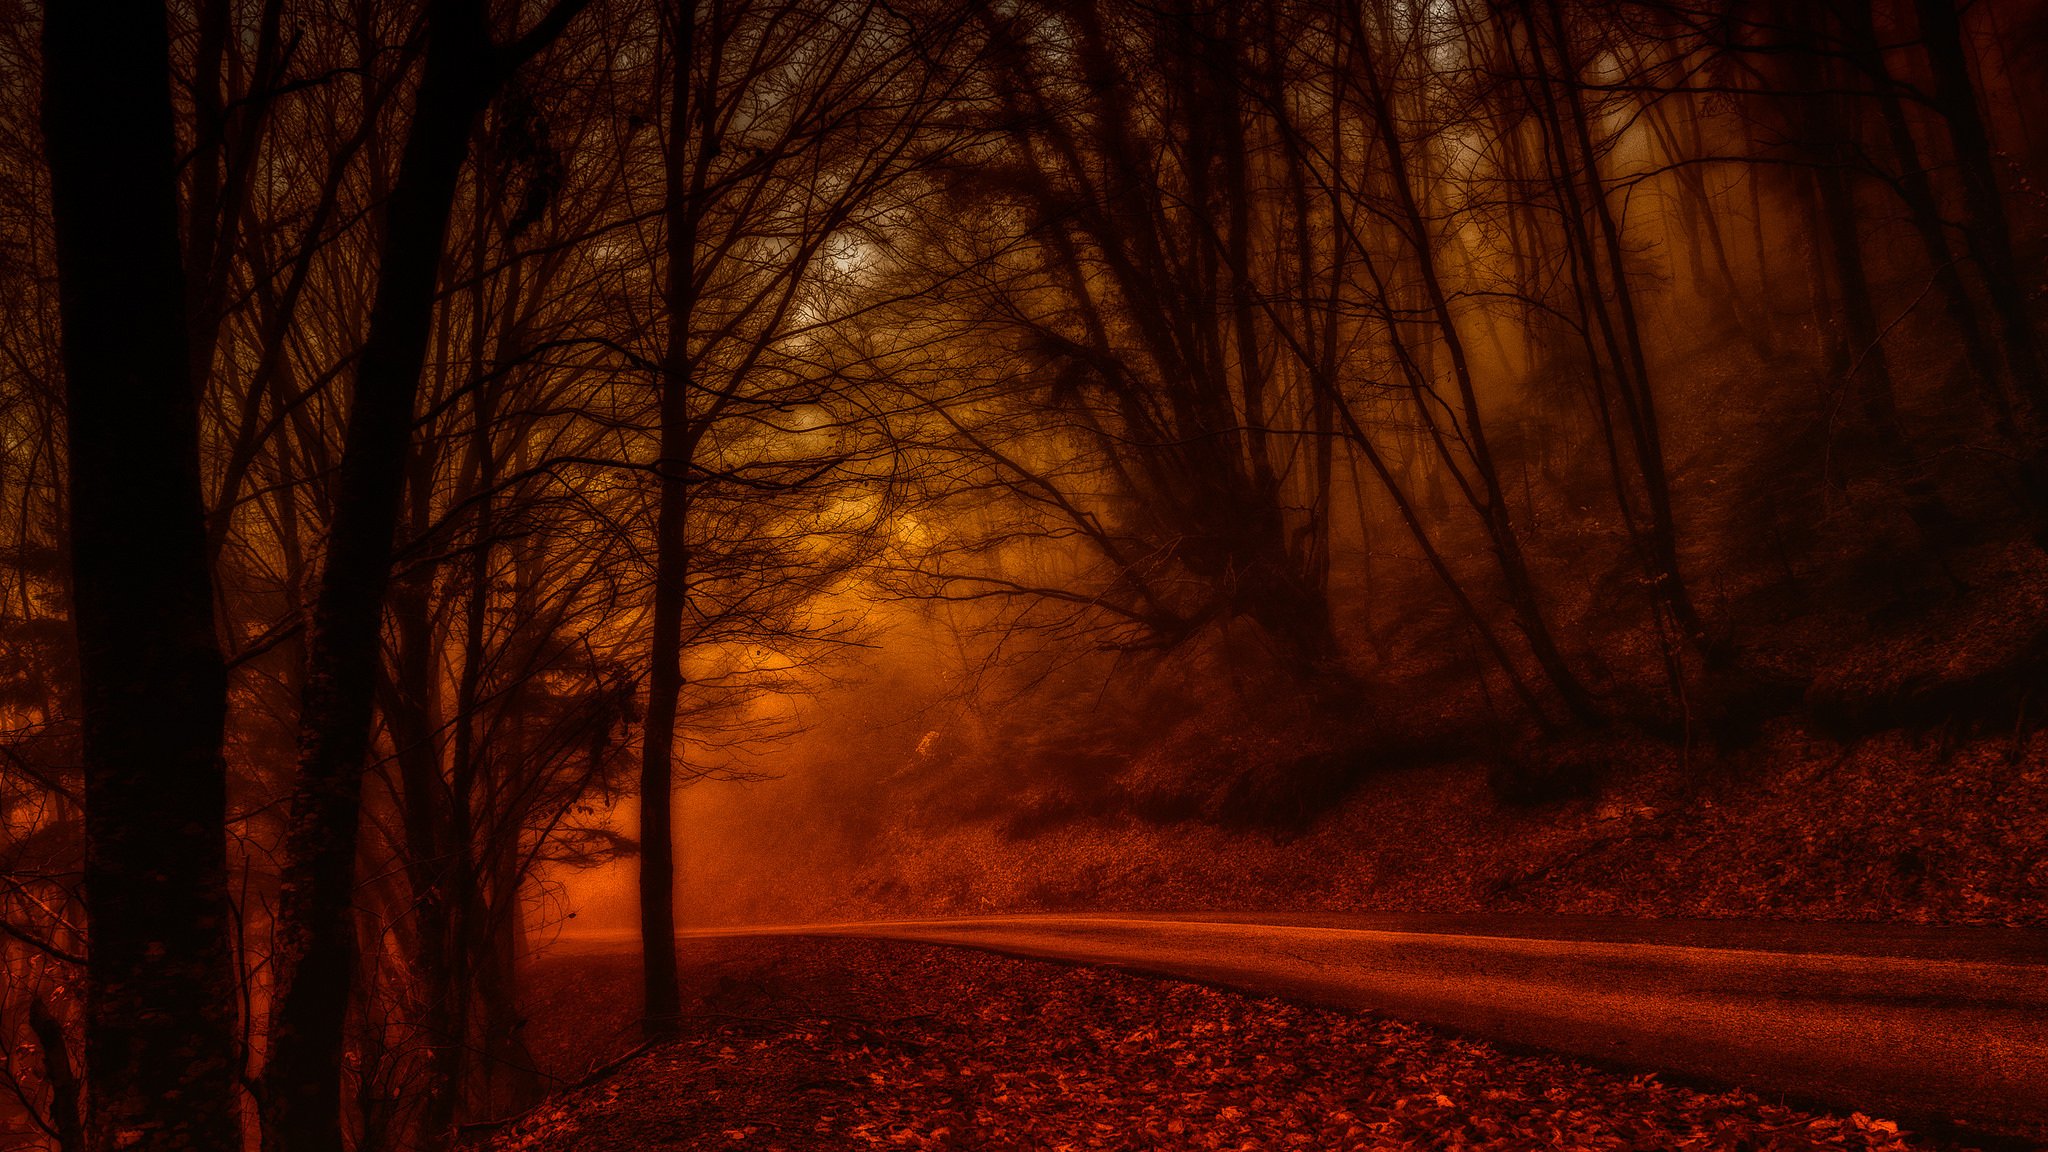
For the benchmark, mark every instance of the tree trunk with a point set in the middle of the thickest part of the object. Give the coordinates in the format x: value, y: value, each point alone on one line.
x: 1832, y: 131
x: 315, y: 953
x: 661, y: 1002
x: 162, y: 1052
x: 1989, y: 234
x: 1869, y: 369
x: 65, y: 1097
x: 1917, y: 191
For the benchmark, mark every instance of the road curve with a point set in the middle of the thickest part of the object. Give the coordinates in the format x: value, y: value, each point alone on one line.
x: 1930, y: 1024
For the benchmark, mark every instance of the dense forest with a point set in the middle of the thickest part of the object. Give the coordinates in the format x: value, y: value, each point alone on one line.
x: 438, y: 432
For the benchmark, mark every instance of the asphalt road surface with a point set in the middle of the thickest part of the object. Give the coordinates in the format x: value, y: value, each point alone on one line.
x: 1931, y: 1024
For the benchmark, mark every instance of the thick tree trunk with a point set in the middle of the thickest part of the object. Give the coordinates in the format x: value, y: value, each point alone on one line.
x: 162, y: 1053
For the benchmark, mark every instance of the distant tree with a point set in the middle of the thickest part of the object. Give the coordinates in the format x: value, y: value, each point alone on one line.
x: 782, y: 125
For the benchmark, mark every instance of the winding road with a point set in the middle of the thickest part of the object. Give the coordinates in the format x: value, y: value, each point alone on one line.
x: 1931, y: 1024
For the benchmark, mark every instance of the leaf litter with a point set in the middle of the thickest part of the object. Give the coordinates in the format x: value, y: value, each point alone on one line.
x: 845, y: 1044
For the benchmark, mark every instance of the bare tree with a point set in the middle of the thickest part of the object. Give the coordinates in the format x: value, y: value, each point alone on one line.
x: 462, y: 70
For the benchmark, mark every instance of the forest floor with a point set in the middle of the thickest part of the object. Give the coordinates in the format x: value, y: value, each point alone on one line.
x: 842, y: 1044
x: 1896, y: 827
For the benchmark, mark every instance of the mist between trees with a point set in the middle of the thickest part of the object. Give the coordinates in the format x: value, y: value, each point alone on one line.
x: 429, y: 424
